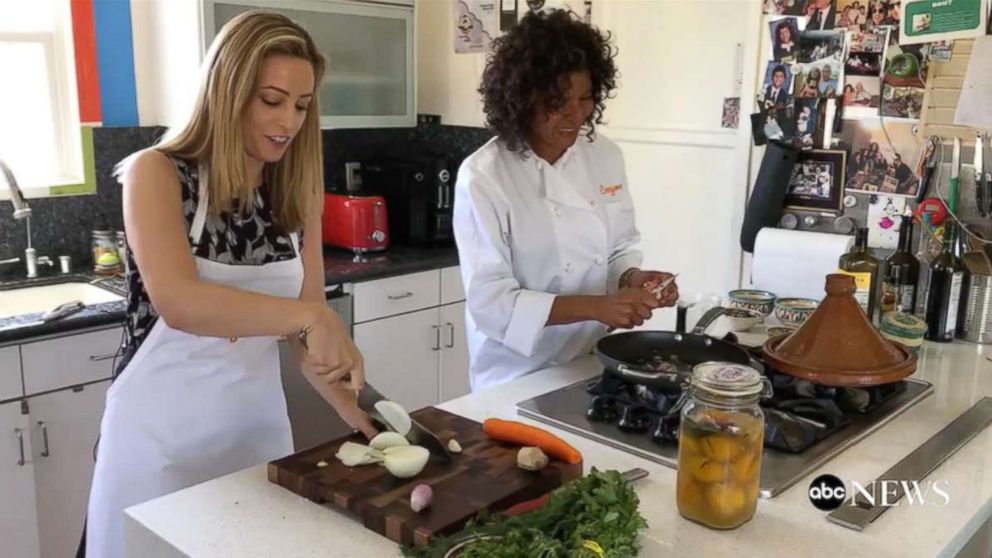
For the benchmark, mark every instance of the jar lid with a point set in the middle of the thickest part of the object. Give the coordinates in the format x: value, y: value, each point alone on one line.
x: 728, y: 379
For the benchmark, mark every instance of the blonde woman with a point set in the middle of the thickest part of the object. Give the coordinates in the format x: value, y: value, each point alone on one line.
x: 223, y: 221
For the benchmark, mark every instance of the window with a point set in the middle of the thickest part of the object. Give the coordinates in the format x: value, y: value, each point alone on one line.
x: 40, y: 136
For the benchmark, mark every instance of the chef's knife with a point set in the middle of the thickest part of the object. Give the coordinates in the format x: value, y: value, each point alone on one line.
x: 952, y: 195
x: 418, y: 434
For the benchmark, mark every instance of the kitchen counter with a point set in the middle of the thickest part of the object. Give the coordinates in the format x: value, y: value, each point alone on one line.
x: 339, y: 267
x: 16, y: 329
x: 242, y: 514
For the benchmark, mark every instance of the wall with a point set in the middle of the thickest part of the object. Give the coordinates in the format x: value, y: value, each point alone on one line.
x: 446, y: 81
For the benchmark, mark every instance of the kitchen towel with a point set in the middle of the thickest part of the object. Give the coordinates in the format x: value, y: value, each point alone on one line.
x: 793, y: 263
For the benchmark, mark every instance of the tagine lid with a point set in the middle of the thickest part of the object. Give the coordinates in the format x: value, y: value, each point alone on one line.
x: 838, y: 346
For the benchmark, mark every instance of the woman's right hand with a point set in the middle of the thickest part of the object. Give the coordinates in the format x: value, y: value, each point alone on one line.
x: 330, y: 352
x: 628, y: 308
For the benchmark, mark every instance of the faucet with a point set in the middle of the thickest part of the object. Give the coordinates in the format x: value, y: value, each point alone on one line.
x: 22, y: 211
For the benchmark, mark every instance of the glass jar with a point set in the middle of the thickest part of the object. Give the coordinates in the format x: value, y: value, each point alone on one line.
x: 106, y: 260
x: 721, y: 437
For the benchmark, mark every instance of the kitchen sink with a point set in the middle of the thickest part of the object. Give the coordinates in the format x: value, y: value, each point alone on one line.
x: 35, y: 299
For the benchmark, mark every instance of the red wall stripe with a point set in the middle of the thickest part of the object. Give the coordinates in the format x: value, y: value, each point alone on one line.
x: 87, y: 75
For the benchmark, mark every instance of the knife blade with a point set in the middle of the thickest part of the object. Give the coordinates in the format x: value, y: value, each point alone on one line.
x: 418, y: 435
x: 952, y: 195
x: 927, y: 167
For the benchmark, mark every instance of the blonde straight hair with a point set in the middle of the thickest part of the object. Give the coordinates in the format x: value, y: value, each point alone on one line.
x: 213, y: 134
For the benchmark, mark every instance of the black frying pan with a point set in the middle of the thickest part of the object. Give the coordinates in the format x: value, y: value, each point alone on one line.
x: 663, y: 359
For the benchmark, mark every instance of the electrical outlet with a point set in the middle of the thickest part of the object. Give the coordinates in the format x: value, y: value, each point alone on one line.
x: 353, y: 176
x: 429, y: 119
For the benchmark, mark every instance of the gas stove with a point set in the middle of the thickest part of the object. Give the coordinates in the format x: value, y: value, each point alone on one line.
x: 805, y: 424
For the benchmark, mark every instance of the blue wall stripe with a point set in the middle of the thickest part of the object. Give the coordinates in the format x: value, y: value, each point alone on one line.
x: 115, y: 61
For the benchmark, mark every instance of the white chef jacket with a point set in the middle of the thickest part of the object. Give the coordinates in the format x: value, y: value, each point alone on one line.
x: 528, y: 231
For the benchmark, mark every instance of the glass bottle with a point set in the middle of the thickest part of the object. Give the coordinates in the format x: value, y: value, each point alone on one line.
x: 860, y: 264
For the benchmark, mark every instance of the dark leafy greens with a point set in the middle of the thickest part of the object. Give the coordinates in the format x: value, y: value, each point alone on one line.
x: 592, y: 517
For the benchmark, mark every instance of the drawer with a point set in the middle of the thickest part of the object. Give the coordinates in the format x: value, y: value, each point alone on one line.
x: 69, y: 361
x: 451, y: 285
x: 10, y: 373
x: 396, y: 295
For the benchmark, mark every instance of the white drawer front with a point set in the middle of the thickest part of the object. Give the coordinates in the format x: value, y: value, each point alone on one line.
x: 451, y: 285
x: 396, y: 295
x: 10, y: 373
x: 69, y: 361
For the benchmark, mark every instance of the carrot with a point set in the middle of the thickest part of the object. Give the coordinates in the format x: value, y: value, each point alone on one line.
x: 526, y: 435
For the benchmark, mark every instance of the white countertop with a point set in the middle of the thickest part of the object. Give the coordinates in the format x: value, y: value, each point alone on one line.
x: 244, y: 515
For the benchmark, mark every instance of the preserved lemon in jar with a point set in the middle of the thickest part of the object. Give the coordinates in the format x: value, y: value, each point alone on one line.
x: 721, y: 437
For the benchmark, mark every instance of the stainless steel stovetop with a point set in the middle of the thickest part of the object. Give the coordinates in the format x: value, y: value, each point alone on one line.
x: 565, y: 408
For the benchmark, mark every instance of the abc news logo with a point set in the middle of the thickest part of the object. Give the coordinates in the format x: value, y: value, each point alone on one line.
x: 828, y: 493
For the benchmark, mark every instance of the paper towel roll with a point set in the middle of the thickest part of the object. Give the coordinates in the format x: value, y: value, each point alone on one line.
x: 795, y: 263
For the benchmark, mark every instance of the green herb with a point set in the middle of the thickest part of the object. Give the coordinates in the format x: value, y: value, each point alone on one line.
x: 596, y: 512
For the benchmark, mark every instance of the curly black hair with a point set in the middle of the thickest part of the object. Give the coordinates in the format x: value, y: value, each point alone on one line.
x: 531, y: 64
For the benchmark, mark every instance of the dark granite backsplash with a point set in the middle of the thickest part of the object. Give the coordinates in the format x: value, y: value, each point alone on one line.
x: 63, y: 225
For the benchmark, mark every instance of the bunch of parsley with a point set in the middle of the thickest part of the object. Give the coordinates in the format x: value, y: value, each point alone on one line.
x: 596, y: 512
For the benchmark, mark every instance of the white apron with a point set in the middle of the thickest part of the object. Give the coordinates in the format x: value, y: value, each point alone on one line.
x: 187, y: 409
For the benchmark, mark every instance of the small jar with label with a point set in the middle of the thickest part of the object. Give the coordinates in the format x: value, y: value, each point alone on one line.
x: 721, y: 438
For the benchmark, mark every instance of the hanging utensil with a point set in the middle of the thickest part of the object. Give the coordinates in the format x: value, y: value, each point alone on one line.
x: 981, y: 185
x: 928, y: 165
x: 952, y: 194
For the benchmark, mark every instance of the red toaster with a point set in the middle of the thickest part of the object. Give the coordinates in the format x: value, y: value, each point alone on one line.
x: 356, y: 223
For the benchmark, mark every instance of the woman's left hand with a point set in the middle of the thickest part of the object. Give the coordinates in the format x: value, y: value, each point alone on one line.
x: 650, y: 280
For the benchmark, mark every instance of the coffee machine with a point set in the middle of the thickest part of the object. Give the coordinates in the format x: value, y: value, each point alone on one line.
x: 419, y: 191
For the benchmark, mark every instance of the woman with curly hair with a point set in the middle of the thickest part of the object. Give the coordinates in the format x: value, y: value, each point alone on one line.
x: 543, y: 217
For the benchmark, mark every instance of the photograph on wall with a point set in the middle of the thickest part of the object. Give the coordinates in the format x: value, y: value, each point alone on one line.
x: 783, y: 7
x: 776, y: 122
x: 902, y: 102
x: 884, y: 220
x: 775, y: 89
x: 821, y: 15
x: 852, y: 14
x: 731, y: 112
x: 873, y: 41
x: 785, y: 39
x: 906, y: 65
x: 808, y: 127
x: 942, y: 20
x: 863, y: 64
x: 882, y: 160
x: 862, y: 97
x: 818, y: 79
x: 476, y: 23
x: 815, y: 46
x: 817, y: 181
x: 884, y: 13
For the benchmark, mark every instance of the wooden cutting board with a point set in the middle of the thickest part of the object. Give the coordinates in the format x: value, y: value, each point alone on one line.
x: 484, y: 476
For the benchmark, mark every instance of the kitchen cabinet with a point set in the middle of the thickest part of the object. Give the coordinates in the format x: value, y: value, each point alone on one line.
x: 454, y: 356
x: 47, y: 439
x: 402, y: 356
x: 18, y: 517
x: 10, y: 373
x: 417, y: 357
x: 369, y: 48
x: 65, y: 426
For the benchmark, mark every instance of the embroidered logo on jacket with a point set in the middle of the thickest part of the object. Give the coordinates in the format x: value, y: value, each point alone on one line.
x: 610, y: 190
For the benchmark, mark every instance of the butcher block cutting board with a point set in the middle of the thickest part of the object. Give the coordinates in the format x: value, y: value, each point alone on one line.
x: 484, y: 476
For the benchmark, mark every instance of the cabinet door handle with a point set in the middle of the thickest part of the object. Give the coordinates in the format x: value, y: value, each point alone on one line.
x: 451, y: 335
x: 400, y: 296
x: 437, y: 338
x: 101, y: 358
x: 44, y: 437
x: 20, y: 442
